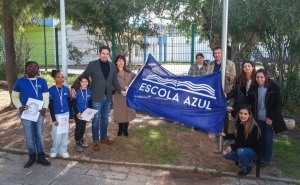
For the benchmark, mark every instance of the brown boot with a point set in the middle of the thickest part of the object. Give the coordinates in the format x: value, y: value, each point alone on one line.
x: 96, y: 146
x: 106, y: 141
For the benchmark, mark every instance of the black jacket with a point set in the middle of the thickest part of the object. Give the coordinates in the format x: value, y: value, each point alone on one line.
x: 273, y: 103
x: 241, y: 142
x: 238, y: 93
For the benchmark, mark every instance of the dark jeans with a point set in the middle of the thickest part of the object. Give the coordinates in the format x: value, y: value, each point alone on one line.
x: 80, y: 128
x: 266, y: 141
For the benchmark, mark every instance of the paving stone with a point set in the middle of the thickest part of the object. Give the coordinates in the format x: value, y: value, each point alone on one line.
x: 138, y: 177
x: 141, y: 170
x: 72, y: 179
x: 233, y: 180
x: 10, y: 183
x: 248, y: 182
x: 160, y: 173
x: 275, y: 183
x: 2, y: 154
x: 4, y: 175
x: 296, y: 181
x: 119, y: 168
x: 95, y: 173
x: 101, y: 167
x: 114, y: 175
x: 261, y: 181
x: 34, y: 177
x: 77, y: 170
x: 121, y: 182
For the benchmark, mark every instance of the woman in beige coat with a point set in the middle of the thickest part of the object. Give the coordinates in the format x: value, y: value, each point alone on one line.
x: 122, y: 113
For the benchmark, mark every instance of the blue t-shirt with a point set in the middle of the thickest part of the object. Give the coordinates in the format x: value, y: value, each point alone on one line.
x: 217, y: 67
x: 54, y: 94
x: 27, y: 88
x: 83, y: 97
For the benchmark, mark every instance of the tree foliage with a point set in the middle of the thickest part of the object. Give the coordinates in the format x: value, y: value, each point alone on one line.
x: 266, y: 29
x: 129, y: 20
x: 15, y: 15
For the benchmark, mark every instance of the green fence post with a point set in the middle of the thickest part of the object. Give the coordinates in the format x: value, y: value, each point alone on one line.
x: 113, y: 45
x: 45, y: 46
x: 56, y: 48
x: 193, y: 44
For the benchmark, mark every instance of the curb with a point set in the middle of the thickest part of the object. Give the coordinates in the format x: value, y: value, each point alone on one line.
x: 159, y: 166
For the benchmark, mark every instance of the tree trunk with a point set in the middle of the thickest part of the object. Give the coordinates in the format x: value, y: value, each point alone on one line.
x: 11, y: 68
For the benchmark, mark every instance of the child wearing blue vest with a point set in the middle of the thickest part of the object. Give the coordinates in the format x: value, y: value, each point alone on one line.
x: 59, y: 104
x: 32, y: 86
x: 80, y: 103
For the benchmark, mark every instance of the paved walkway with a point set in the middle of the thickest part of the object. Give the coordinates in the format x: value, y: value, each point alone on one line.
x: 89, y: 173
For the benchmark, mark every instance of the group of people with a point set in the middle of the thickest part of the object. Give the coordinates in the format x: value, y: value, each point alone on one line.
x: 256, y: 109
x: 106, y: 79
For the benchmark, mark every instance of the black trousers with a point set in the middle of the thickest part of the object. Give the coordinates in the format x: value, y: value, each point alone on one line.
x: 80, y: 128
x: 226, y: 124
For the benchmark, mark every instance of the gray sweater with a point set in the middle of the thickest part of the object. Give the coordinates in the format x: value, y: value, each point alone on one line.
x: 261, y: 108
x: 99, y: 83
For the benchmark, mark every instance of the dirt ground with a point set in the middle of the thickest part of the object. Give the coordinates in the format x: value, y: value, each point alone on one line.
x: 196, y: 149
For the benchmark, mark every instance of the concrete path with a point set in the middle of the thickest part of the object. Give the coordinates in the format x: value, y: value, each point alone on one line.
x: 72, y: 172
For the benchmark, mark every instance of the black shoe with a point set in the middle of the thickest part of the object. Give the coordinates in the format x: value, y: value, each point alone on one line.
x: 125, y: 130
x: 32, y: 159
x: 245, y: 171
x: 42, y: 160
x: 121, y: 125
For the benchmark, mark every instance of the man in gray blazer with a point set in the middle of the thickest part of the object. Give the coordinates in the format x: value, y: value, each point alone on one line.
x: 103, y: 74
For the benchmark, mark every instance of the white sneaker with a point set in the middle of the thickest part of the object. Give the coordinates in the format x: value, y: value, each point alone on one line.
x: 64, y: 155
x: 53, y: 155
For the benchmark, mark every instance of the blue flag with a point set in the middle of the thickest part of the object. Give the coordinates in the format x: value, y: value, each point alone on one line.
x: 195, y: 101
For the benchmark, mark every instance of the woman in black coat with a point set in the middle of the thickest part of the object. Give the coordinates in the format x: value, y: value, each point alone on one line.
x: 265, y: 100
x: 241, y: 86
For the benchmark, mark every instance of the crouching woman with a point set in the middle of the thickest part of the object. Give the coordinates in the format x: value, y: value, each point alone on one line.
x: 246, y: 137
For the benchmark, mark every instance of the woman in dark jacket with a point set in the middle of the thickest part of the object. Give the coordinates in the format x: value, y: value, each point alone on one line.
x: 265, y: 100
x: 241, y: 85
x: 246, y: 137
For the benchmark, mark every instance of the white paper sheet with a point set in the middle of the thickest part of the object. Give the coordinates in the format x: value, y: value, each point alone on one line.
x: 63, y: 124
x: 32, y: 112
x: 88, y: 114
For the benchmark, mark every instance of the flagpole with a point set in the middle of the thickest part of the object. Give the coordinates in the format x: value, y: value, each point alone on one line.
x: 224, y: 56
x: 63, y: 42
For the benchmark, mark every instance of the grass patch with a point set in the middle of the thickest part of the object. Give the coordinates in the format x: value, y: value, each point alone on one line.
x: 157, y: 146
x: 49, y: 79
x: 287, y: 150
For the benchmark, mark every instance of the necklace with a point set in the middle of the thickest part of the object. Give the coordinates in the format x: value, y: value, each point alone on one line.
x: 60, y: 98
x: 85, y: 99
x: 36, y: 90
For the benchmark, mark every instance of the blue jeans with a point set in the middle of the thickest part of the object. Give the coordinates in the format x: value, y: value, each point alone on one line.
x: 241, y: 155
x: 33, y: 132
x: 100, y: 119
x: 266, y: 141
x: 60, y: 141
